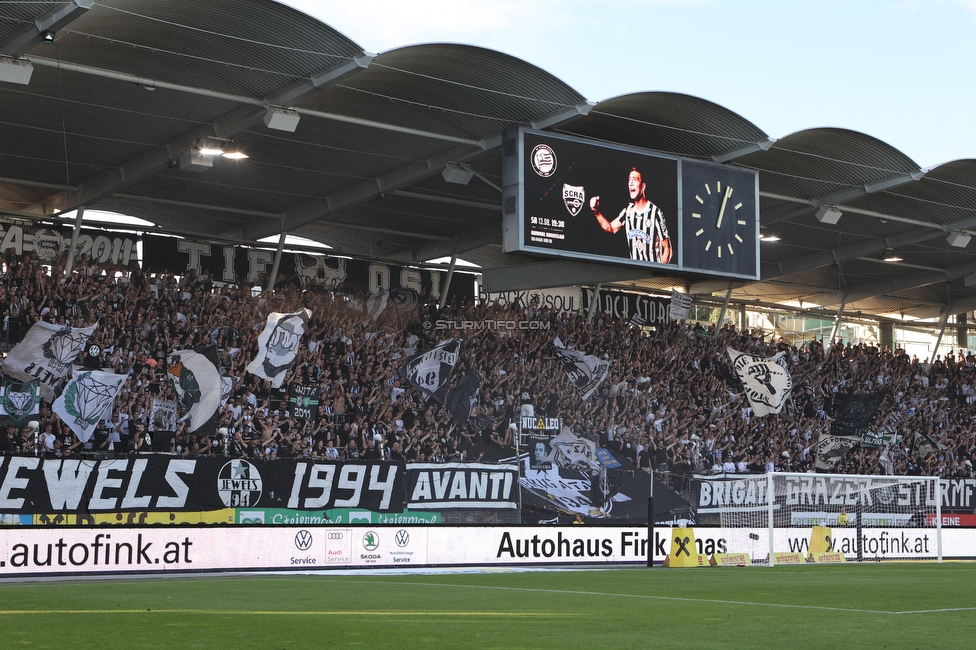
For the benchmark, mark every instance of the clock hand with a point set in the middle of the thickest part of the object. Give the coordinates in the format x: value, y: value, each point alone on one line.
x: 721, y: 211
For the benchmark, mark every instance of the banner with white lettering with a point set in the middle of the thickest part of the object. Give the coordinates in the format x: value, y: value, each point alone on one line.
x: 162, y: 415
x: 156, y: 482
x: 239, y: 264
x: 585, y: 371
x: 46, y: 354
x: 830, y: 449
x: 767, y: 382
x: 304, y: 401
x: 278, y: 345
x: 47, y: 244
x: 435, y: 486
x: 624, y: 304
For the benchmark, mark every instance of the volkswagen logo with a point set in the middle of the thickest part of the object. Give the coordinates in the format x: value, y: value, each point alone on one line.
x: 303, y: 540
x: 402, y: 538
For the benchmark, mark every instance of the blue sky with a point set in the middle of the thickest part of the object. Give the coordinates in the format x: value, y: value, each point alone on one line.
x: 902, y: 70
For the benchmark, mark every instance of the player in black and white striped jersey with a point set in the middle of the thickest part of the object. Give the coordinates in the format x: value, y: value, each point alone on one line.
x: 642, y: 221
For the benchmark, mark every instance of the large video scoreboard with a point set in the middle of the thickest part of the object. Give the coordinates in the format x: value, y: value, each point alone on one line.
x: 588, y: 200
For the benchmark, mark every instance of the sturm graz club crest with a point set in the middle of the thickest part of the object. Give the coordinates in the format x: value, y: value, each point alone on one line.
x: 62, y: 348
x: 574, y: 196
x: 543, y: 160
x: 239, y: 484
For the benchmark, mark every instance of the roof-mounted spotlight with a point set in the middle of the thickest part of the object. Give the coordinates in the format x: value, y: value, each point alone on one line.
x: 829, y: 214
x: 48, y: 37
x: 767, y: 235
x: 208, y: 147
x: 889, y: 255
x: 234, y: 153
x: 282, y: 119
x: 959, y: 238
x: 457, y: 173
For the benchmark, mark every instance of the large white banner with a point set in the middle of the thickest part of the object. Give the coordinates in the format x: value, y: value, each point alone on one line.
x: 25, y: 550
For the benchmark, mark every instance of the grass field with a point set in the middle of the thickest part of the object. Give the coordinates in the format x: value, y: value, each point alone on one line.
x: 870, y: 605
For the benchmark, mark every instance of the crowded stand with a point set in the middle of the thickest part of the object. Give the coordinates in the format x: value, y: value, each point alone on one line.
x: 670, y: 401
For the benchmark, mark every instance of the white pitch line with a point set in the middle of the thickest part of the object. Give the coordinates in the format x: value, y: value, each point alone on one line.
x: 673, y: 598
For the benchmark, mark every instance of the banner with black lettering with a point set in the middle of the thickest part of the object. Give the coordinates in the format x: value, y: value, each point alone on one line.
x: 18, y: 402
x: 430, y: 371
x: 585, y: 371
x: 46, y: 354
x: 853, y: 414
x: 767, y: 382
x: 680, y: 305
x: 278, y: 345
x: 436, y: 486
x: 150, y: 483
x: 304, y: 401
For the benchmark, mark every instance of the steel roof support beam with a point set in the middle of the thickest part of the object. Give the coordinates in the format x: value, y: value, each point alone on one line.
x: 157, y: 159
x: 787, y: 212
x: 744, y: 150
x: 470, y: 240
x: 396, y: 179
x: 891, y: 285
x: 57, y: 18
x: 960, y: 306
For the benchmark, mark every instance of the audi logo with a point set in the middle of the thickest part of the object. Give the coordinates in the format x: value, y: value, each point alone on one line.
x: 335, y: 536
x: 303, y: 540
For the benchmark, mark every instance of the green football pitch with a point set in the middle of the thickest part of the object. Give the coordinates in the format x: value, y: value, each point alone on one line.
x: 891, y: 605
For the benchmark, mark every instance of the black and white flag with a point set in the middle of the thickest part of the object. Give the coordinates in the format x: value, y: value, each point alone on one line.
x: 853, y: 414
x: 196, y: 379
x: 680, y: 305
x: 922, y: 446
x: 767, y: 382
x: 46, y: 354
x: 462, y: 398
x: 87, y: 398
x: 163, y: 415
x: 278, y: 345
x: 830, y: 449
x: 18, y: 401
x: 429, y: 371
x: 585, y: 371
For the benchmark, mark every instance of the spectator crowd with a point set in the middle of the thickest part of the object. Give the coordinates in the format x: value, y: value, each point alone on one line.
x: 670, y: 400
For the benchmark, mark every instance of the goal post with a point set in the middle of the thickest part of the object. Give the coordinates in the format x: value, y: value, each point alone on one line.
x: 790, y: 517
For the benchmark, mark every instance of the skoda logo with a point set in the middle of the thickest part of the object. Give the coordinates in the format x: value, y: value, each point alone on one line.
x: 303, y: 540
x: 371, y: 541
x: 402, y: 538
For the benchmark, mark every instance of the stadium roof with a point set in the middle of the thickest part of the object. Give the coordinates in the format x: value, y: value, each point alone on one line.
x: 122, y: 91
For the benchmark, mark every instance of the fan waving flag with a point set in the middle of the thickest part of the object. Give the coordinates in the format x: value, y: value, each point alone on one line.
x: 196, y: 378
x: 429, y: 371
x: 584, y: 370
x: 18, y: 401
x: 46, y: 354
x: 278, y: 345
x: 767, y: 382
x: 86, y: 399
x: 854, y: 413
x: 462, y: 398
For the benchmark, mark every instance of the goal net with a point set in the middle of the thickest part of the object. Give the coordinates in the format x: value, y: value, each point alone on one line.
x: 788, y: 518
